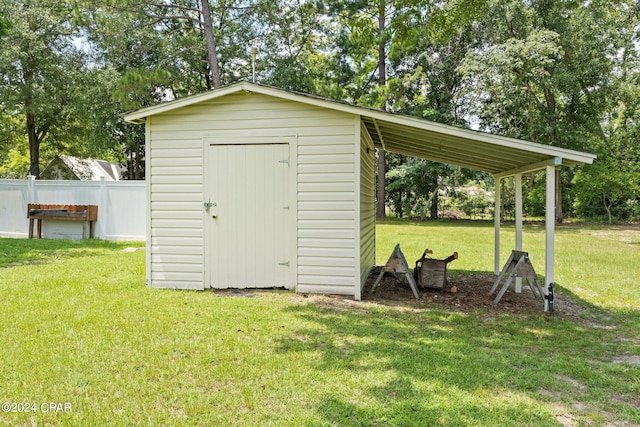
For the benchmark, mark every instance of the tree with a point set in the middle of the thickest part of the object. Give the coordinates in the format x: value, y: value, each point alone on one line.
x: 41, y: 69
x: 146, y: 52
x: 193, y: 33
x: 4, y: 25
x: 294, y: 42
x: 545, y: 74
x: 612, y: 183
x: 414, y: 185
x: 178, y: 19
x: 604, y: 184
x: 106, y: 133
x: 365, y: 38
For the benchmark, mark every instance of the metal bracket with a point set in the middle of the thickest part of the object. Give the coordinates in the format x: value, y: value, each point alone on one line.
x: 549, y: 296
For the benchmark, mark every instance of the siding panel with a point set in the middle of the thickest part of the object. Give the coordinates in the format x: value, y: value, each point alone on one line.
x: 171, y: 215
x: 176, y: 153
x: 324, y: 215
x: 325, y: 168
x: 326, y: 187
x: 176, y: 259
x: 323, y: 243
x: 325, y: 150
x: 328, y: 261
x: 336, y: 179
x: 327, y: 205
x: 328, y: 252
x: 176, y: 198
x: 334, y: 288
x: 182, y: 179
x: 367, y: 205
x: 176, y: 232
x: 178, y: 188
x: 176, y: 161
x: 236, y: 121
x: 176, y: 276
x: 177, y: 284
x: 309, y: 196
x: 348, y: 187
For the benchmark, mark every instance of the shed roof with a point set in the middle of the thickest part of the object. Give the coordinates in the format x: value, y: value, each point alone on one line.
x: 412, y: 136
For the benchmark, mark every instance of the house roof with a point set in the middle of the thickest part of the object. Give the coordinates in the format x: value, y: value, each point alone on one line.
x: 89, y: 169
x: 412, y: 136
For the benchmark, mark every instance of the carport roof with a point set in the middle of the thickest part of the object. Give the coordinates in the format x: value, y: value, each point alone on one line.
x: 498, y: 155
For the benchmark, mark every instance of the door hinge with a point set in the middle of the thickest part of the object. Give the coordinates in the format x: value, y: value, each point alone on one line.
x: 285, y: 264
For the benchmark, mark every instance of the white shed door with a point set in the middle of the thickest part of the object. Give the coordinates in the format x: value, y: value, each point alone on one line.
x: 249, y: 187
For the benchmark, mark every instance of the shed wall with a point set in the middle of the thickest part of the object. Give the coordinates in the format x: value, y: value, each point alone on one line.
x: 367, y: 205
x: 326, y: 186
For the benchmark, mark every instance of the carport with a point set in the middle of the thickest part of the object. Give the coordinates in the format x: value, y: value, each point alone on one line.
x: 498, y: 155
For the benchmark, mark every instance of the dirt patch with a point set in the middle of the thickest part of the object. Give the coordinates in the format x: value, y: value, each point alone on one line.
x: 625, y: 233
x: 471, y: 293
x: 628, y: 359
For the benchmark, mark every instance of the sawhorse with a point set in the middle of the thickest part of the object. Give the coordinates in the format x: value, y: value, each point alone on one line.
x: 397, y: 263
x: 518, y: 265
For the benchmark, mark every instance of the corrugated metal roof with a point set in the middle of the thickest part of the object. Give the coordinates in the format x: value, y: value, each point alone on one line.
x: 412, y: 136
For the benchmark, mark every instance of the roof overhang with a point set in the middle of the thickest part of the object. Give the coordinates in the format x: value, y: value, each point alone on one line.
x: 498, y: 155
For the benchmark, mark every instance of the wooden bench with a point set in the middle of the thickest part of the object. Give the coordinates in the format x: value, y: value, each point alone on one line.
x: 41, y: 212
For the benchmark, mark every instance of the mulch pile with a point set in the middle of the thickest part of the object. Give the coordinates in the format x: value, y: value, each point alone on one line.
x: 471, y: 293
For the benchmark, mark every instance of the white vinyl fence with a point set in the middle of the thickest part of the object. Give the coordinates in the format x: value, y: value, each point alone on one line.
x: 121, y: 207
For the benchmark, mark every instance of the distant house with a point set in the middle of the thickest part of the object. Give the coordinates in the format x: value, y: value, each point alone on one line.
x: 474, y: 190
x: 64, y: 167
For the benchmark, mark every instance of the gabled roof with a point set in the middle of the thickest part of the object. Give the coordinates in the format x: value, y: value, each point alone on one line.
x: 412, y: 136
x: 83, y: 169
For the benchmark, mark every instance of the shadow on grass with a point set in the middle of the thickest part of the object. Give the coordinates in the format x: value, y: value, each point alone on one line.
x: 15, y: 252
x: 411, y: 366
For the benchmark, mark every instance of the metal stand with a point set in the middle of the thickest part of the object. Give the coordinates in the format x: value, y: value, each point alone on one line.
x: 518, y: 265
x: 397, y: 263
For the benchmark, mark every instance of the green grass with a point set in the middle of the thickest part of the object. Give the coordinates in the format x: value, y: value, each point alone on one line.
x: 81, y: 327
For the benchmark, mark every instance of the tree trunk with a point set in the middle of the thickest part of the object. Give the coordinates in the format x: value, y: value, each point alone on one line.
x: 212, y: 51
x: 34, y: 146
x: 559, y: 216
x: 530, y: 184
x: 607, y: 207
x: 382, y: 57
x: 382, y: 80
x: 434, y: 206
x: 432, y: 202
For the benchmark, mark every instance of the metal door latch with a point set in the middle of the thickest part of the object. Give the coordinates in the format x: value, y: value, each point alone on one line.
x: 208, y: 205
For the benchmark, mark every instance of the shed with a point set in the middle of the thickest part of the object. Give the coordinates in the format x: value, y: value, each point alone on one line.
x: 64, y: 167
x: 251, y: 186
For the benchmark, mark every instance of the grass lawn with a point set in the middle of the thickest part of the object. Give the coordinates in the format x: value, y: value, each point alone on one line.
x: 81, y: 330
